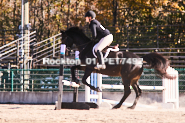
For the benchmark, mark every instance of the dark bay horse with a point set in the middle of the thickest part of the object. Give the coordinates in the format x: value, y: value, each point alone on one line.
x: 130, y: 73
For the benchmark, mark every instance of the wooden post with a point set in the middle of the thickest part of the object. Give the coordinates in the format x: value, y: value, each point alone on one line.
x: 60, y: 86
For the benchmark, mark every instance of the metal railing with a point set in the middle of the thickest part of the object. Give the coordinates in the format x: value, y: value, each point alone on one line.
x: 36, y: 50
x: 12, y: 54
x: 47, y: 48
x: 7, y: 50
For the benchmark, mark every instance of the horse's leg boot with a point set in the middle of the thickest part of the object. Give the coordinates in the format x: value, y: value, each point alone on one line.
x: 101, y: 64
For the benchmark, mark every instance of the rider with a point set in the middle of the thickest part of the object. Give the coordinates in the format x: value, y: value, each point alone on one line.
x: 101, y: 34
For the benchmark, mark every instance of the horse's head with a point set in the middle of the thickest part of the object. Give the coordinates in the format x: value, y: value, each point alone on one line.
x: 74, y: 35
x: 66, y: 39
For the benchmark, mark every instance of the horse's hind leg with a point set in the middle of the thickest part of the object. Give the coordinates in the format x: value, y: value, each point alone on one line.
x: 127, y: 92
x: 138, y: 94
x: 87, y: 73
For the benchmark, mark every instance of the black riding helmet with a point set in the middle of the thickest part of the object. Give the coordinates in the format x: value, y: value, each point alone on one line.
x: 90, y: 14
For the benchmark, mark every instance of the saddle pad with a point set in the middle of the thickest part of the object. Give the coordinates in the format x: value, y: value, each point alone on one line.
x: 106, y: 54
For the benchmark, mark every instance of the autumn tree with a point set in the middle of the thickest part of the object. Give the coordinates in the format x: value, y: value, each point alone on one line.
x: 48, y: 17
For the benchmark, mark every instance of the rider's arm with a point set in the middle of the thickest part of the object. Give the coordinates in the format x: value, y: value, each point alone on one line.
x: 93, y: 30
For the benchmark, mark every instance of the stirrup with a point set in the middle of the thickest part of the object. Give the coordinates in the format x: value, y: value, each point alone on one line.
x: 100, y: 66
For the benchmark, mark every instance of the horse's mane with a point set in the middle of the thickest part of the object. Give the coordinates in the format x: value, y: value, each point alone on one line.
x: 78, y: 31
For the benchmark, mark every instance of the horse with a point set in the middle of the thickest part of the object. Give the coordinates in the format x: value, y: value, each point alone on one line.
x: 130, y: 73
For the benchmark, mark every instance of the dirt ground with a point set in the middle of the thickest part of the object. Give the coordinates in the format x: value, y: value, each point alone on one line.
x: 13, y: 113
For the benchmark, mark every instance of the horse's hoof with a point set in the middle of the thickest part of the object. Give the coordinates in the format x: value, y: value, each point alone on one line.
x: 77, y: 81
x: 98, y: 89
x: 131, y: 107
x: 116, y: 107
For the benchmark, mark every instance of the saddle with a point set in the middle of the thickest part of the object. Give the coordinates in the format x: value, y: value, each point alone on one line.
x: 106, y: 50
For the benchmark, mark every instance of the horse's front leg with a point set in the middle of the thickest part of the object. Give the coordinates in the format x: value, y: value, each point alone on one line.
x: 87, y: 73
x: 74, y: 79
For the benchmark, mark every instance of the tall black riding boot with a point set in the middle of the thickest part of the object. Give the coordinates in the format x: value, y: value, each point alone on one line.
x: 101, y: 64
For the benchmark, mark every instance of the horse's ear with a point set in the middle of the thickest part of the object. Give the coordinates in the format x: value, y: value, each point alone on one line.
x: 62, y: 31
x: 63, y: 34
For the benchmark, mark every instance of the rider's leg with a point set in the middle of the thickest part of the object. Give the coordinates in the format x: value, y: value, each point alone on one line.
x: 106, y: 41
x: 101, y: 62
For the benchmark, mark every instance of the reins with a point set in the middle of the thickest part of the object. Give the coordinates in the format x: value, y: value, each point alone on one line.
x: 81, y: 44
x: 85, y: 46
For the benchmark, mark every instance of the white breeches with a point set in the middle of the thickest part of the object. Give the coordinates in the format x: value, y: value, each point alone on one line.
x: 106, y: 41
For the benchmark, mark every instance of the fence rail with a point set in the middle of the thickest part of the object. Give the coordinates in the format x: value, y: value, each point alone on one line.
x: 46, y: 48
x: 47, y: 79
x: 12, y: 53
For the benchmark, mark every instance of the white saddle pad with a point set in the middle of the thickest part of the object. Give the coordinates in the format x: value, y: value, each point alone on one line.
x: 106, y: 54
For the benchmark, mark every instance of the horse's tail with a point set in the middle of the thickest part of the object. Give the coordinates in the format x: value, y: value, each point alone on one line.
x: 159, y: 63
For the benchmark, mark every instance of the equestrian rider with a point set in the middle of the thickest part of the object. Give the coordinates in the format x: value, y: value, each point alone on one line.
x: 101, y: 34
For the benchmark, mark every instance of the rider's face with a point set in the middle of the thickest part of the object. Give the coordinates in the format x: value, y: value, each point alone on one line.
x: 88, y: 19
